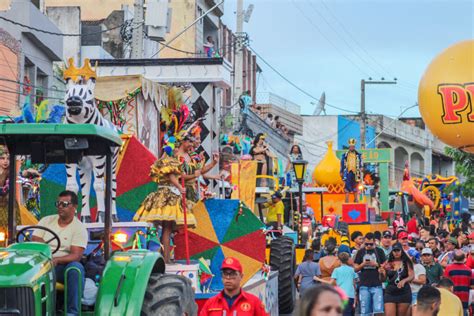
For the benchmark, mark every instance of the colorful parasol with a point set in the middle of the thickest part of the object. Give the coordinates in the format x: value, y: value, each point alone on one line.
x: 222, y: 232
x: 133, y: 181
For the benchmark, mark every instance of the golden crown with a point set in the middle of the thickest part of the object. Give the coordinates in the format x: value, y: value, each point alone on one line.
x: 352, y: 141
x: 86, y: 72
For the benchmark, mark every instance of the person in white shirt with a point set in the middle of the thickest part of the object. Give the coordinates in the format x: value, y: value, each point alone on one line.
x: 420, y: 275
x: 73, y: 238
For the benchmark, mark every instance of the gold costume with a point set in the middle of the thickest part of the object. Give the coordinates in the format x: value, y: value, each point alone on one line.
x: 166, y: 203
x: 352, y: 162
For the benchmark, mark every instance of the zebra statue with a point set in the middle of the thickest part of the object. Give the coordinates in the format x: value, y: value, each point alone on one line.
x: 81, y: 109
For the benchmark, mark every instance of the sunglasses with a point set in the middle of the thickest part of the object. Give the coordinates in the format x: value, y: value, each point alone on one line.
x: 229, y: 274
x: 425, y: 255
x: 387, y: 236
x: 396, y: 250
x: 369, y: 244
x: 62, y: 204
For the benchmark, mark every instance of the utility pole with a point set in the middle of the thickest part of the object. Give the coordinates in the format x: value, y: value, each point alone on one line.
x: 137, y: 32
x: 363, y: 123
x: 238, y: 62
x: 363, y: 116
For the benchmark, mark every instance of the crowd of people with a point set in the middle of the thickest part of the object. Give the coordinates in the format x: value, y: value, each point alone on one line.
x: 427, y: 270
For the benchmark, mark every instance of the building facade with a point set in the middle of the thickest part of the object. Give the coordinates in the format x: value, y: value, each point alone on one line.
x: 27, y: 57
x: 409, y: 143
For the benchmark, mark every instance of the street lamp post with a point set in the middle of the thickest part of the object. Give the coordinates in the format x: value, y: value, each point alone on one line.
x: 299, y: 168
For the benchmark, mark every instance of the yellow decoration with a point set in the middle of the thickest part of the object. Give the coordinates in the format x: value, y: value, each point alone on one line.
x: 446, y: 96
x: 327, y: 171
x: 86, y: 72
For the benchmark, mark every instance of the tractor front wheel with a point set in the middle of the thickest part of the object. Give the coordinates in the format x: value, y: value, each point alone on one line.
x: 282, y: 259
x: 169, y: 294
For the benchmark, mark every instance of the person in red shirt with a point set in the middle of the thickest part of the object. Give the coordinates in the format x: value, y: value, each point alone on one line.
x: 412, y: 226
x: 232, y: 300
x: 470, y: 259
x: 461, y: 276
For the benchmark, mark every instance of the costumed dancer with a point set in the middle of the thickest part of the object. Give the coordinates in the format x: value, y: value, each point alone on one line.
x: 191, y: 169
x: 198, y: 157
x: 351, y: 169
x: 4, y: 184
x: 295, y: 154
x: 261, y: 153
x: 164, y: 206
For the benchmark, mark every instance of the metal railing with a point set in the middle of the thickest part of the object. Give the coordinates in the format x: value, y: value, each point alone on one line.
x: 273, y: 99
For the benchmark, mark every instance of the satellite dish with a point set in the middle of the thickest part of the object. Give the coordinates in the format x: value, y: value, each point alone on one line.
x: 248, y: 13
x: 320, y: 108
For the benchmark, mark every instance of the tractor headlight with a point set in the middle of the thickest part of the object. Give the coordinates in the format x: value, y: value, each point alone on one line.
x: 2, y: 236
x: 120, y: 237
x: 305, y: 229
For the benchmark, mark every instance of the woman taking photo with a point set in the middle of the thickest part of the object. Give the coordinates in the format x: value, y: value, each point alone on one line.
x: 398, y: 271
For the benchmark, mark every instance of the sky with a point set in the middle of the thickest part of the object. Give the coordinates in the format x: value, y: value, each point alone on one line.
x: 331, y: 45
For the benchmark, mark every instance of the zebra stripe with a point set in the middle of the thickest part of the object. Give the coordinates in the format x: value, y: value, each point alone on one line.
x: 90, y: 115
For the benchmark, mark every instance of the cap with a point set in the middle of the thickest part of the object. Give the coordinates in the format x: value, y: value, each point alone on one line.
x: 276, y: 195
x: 427, y: 251
x: 387, y: 233
x: 471, y: 235
x: 402, y: 235
x: 344, y: 248
x: 397, y: 246
x: 231, y: 263
x: 453, y: 241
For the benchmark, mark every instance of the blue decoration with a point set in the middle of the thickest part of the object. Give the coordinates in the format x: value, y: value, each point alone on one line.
x: 221, y: 223
x: 354, y: 214
x: 168, y: 150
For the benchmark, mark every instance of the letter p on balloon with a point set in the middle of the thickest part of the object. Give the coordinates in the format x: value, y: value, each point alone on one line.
x: 456, y: 100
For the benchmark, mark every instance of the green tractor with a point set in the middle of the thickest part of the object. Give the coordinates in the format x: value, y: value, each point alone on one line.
x: 133, y: 282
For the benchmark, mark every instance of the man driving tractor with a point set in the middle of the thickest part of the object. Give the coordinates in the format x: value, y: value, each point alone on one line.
x: 73, y: 241
x: 276, y: 210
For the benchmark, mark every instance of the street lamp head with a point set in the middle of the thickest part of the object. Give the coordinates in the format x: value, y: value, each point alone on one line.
x: 382, y: 78
x: 395, y: 79
x: 370, y: 78
x: 299, y: 167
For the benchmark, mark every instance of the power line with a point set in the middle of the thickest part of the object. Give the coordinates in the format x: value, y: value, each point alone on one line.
x: 295, y: 86
x: 58, y: 34
x: 391, y: 123
x: 16, y: 92
x: 344, y: 40
x: 361, y: 47
x: 315, y: 26
x: 31, y: 85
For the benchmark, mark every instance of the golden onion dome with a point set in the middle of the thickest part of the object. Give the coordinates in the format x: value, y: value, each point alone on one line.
x: 327, y: 171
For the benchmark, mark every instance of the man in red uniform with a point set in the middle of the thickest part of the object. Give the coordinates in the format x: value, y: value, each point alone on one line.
x: 233, y: 300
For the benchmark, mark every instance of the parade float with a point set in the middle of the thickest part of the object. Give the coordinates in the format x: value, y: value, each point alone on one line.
x: 131, y: 103
x: 335, y: 212
x: 118, y: 290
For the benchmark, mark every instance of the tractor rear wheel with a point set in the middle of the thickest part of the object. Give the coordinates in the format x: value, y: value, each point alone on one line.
x: 169, y: 294
x: 282, y: 259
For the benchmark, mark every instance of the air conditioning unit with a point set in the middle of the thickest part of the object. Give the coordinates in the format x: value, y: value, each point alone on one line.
x: 157, y: 19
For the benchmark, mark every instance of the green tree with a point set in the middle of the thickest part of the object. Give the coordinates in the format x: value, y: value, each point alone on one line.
x: 464, y: 164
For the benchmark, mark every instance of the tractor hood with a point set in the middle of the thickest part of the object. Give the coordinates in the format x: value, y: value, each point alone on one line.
x: 22, y: 266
